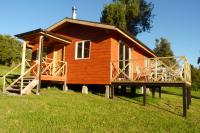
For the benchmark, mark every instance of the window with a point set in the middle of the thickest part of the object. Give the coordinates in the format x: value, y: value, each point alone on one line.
x: 82, y: 50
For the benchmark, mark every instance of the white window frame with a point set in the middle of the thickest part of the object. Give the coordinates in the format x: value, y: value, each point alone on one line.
x: 83, y: 47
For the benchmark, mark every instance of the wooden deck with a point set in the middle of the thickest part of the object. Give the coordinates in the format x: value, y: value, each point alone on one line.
x: 152, y: 83
x: 163, y: 71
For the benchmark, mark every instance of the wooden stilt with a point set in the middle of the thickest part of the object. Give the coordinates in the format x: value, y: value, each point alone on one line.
x: 159, y: 89
x: 144, y: 95
x: 23, y: 66
x: 184, y: 102
x: 116, y: 89
x: 123, y: 88
x: 188, y: 98
x: 153, y: 92
x: 133, y: 90
x: 112, y: 92
x: 39, y: 63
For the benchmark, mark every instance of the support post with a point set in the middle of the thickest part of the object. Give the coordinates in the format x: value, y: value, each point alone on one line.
x: 184, y: 102
x: 159, y: 89
x: 153, y: 92
x: 144, y: 95
x: 188, y: 98
x: 65, y: 88
x: 116, y: 89
x: 39, y: 63
x: 107, y: 91
x: 133, y: 90
x: 23, y: 66
x: 112, y: 92
x: 84, y: 89
x: 123, y: 89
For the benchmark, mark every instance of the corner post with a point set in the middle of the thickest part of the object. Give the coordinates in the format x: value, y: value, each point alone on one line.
x: 65, y: 88
x: 23, y: 66
x: 184, y: 101
x: 39, y: 69
x: 144, y: 95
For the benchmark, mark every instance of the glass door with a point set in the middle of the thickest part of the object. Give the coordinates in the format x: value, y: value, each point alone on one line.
x: 124, y: 60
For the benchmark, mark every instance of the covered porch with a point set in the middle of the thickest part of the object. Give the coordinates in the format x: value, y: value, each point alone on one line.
x: 47, y: 63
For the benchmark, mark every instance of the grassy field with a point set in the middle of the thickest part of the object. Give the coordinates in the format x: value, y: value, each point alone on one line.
x: 57, y: 111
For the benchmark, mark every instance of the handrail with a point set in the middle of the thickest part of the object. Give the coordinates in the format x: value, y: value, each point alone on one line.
x: 11, y: 70
x: 165, y: 69
x: 23, y: 75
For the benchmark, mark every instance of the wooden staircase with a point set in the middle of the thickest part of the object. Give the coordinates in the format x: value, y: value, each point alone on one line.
x: 20, y: 84
x: 22, y: 87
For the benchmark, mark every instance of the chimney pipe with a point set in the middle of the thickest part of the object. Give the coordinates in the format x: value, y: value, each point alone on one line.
x: 74, y: 12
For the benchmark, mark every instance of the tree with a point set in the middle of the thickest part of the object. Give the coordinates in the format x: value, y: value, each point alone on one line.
x: 195, y: 75
x: 134, y: 16
x: 163, y: 49
x: 10, y: 50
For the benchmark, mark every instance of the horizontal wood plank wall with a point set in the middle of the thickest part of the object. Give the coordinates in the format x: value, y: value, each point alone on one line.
x: 96, y: 69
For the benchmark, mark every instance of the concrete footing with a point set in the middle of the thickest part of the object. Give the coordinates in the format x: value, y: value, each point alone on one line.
x: 65, y: 88
x: 84, y: 89
x: 109, y: 92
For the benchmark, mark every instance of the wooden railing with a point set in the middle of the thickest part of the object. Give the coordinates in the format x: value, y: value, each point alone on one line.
x: 29, y: 68
x: 161, y: 69
x: 52, y: 68
x: 49, y: 68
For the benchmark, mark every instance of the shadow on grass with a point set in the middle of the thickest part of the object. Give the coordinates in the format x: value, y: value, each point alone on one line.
x: 174, y: 93
x: 131, y: 98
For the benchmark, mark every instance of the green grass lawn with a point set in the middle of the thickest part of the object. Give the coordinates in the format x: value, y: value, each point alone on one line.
x: 57, y: 111
x: 4, y: 70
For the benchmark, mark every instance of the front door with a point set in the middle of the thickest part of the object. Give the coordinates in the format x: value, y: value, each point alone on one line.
x: 124, y: 58
x: 58, y: 59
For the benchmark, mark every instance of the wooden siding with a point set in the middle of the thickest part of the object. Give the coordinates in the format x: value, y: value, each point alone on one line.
x: 96, y: 69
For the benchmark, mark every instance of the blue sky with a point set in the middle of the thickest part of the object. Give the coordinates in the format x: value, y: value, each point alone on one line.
x: 176, y: 20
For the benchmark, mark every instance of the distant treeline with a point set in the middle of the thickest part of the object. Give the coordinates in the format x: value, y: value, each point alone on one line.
x: 195, y: 78
x: 10, y: 50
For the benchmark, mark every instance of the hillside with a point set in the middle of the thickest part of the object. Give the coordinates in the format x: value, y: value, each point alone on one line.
x: 57, y: 111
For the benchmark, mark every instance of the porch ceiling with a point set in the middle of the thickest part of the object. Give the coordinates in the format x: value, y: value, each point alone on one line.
x: 33, y: 37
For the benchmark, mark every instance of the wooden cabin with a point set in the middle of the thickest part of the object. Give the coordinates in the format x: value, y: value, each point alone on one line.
x: 77, y: 52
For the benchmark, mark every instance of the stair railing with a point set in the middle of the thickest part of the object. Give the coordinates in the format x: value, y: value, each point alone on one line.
x: 26, y: 72
x: 8, y: 73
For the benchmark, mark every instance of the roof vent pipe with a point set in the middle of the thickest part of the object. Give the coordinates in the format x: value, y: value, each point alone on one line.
x: 74, y: 12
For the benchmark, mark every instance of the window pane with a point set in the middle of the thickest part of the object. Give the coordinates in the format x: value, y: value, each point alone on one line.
x: 86, y: 49
x: 121, y: 51
x: 126, y: 52
x: 79, y: 50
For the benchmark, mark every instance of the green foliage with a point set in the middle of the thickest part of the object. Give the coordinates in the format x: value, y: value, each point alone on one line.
x: 10, y: 50
x: 134, y: 16
x: 163, y: 49
x: 195, y: 73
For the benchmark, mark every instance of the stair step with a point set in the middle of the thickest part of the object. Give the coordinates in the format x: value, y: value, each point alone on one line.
x: 13, y: 90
